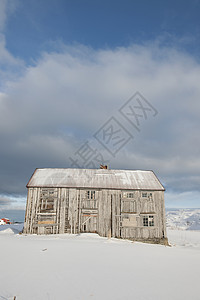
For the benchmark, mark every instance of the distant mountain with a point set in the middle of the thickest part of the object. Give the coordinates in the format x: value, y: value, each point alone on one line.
x: 185, y: 219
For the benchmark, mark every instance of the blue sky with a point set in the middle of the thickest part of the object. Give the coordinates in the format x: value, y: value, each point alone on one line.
x: 66, y: 67
x: 34, y: 25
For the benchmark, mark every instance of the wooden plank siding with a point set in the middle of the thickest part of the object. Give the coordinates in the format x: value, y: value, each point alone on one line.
x: 128, y: 214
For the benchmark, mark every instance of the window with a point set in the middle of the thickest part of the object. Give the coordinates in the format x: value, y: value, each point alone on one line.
x: 128, y: 206
x: 130, y: 195
x: 144, y: 195
x: 148, y: 221
x: 150, y: 196
x: 48, y: 199
x: 91, y: 195
x: 129, y: 220
x: 145, y: 221
x: 147, y: 195
x: 151, y: 221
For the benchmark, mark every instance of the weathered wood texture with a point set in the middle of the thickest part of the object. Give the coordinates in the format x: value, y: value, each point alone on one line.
x: 128, y: 214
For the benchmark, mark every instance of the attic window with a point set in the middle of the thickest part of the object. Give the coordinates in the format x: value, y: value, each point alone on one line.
x: 147, y: 195
x: 130, y: 195
x: 91, y: 195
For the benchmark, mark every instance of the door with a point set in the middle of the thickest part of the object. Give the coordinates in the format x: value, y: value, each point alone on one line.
x: 89, y: 222
x: 89, y: 213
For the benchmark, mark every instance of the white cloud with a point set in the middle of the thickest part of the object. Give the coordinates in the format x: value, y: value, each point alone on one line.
x: 186, y: 200
x: 7, y: 7
x: 8, y: 203
x: 5, y: 201
x: 6, y: 59
x: 62, y: 100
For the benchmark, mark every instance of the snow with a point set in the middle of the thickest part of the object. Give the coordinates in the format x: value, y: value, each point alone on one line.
x: 87, y: 266
x: 12, y: 229
x: 84, y: 178
x: 184, y: 238
x: 187, y: 219
x: 7, y: 231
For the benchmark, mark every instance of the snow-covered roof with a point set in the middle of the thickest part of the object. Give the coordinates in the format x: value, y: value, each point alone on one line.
x: 96, y: 178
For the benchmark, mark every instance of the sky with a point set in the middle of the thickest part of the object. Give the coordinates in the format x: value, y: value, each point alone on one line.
x: 69, y: 72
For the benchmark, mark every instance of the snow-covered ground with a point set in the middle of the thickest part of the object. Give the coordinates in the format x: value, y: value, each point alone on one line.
x: 183, y: 227
x: 87, y: 266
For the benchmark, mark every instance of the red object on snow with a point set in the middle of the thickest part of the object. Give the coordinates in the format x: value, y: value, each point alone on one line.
x: 7, y: 221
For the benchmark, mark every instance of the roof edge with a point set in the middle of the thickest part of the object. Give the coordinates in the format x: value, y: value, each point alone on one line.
x: 91, y: 188
x: 158, y: 180
x: 93, y: 169
x: 31, y: 177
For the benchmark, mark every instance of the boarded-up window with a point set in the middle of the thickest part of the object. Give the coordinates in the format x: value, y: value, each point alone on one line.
x: 128, y: 206
x: 147, y: 203
x: 48, y: 199
x: 90, y: 204
x: 129, y: 221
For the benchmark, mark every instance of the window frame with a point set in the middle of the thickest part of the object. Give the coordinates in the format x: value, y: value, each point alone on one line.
x: 148, y: 221
x: 91, y: 195
x: 145, y: 221
x: 147, y: 195
x: 130, y: 195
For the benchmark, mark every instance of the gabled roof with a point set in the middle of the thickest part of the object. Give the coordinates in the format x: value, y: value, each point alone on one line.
x: 96, y: 178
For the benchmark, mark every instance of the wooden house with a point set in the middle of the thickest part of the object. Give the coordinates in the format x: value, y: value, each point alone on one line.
x: 124, y: 204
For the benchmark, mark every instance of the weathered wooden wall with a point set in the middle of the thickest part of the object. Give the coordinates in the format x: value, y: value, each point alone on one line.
x: 136, y: 215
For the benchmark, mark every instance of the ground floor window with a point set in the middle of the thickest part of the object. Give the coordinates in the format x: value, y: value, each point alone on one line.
x: 151, y: 221
x: 145, y: 221
x: 148, y: 221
